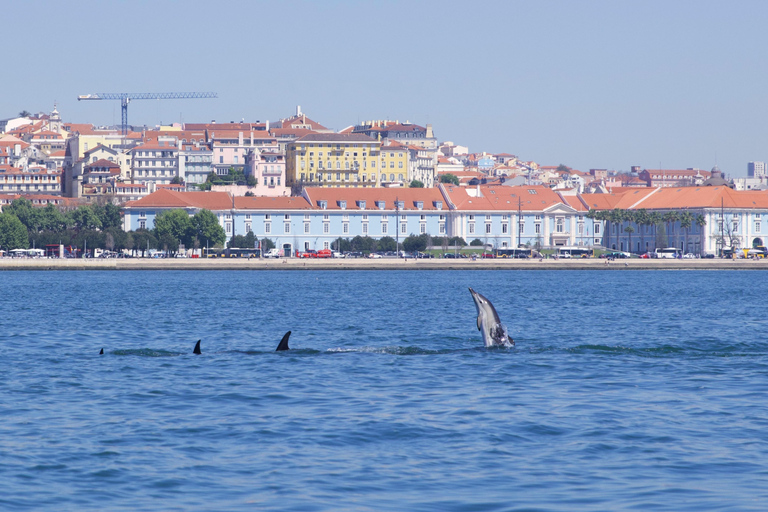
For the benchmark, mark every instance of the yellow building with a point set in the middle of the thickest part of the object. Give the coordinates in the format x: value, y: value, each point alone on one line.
x: 341, y: 160
x: 394, y: 164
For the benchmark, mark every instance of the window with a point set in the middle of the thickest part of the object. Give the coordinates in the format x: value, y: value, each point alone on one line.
x: 537, y: 229
x: 597, y: 228
x: 471, y: 218
x: 441, y: 229
x: 286, y: 228
x: 229, y: 227
x: 365, y: 229
x: 471, y: 229
x: 757, y: 226
x: 345, y: 227
x: 735, y: 225
x: 403, y: 228
x: 306, y: 227
x: 326, y: 228
x: 422, y: 228
x: 142, y: 224
x: 488, y: 229
x: 504, y: 229
x: 383, y: 228
x: 287, y: 216
x: 559, y: 224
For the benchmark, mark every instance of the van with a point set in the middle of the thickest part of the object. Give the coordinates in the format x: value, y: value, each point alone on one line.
x: 272, y: 253
x: 669, y: 252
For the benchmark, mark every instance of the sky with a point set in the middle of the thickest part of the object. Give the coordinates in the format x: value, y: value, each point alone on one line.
x: 589, y: 84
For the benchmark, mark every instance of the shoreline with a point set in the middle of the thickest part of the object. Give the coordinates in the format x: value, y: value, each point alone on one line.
x: 10, y: 264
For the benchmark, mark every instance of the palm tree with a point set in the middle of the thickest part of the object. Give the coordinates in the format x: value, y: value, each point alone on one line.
x: 642, y: 219
x: 617, y: 217
x: 700, y: 221
x: 686, y: 221
x: 670, y: 218
x: 630, y: 230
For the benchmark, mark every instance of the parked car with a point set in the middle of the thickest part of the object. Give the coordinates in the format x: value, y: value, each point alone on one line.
x: 646, y: 255
x: 616, y: 255
x: 374, y: 255
x: 489, y: 255
x: 309, y: 253
x: 689, y: 256
x: 272, y: 253
x: 323, y: 253
x: 337, y: 254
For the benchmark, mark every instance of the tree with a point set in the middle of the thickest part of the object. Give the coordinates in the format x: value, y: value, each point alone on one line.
x: 177, y: 180
x: 251, y: 180
x: 563, y: 168
x: 700, y: 221
x: 13, y: 234
x: 415, y: 243
x: 109, y: 215
x: 387, y: 243
x: 417, y: 184
x: 84, y: 218
x: 173, y: 227
x: 143, y: 239
x: 207, y: 229
x: 686, y: 221
x: 670, y: 218
x: 267, y: 244
x: 25, y: 113
x: 363, y: 244
x: 247, y: 241
x: 629, y: 230
x: 476, y: 242
x: 449, y: 178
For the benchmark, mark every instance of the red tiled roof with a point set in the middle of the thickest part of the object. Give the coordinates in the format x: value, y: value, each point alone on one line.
x: 529, y: 198
x: 280, y: 203
x: 165, y: 198
x: 409, y: 196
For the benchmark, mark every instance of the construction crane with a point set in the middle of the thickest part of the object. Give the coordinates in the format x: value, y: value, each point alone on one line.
x: 126, y: 97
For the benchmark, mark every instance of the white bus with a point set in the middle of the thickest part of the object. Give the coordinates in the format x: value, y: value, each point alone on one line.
x: 668, y: 252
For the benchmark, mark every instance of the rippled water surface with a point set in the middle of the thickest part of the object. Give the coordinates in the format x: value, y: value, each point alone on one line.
x: 626, y: 391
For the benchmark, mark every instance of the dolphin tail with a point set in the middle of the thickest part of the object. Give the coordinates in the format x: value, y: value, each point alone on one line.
x: 197, y: 348
x: 101, y: 353
x: 284, y: 342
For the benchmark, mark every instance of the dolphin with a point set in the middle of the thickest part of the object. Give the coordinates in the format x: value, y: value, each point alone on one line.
x: 101, y: 353
x: 284, y: 342
x: 197, y: 348
x: 488, y: 323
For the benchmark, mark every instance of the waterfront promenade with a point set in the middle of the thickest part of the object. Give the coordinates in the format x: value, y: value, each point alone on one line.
x: 376, y: 264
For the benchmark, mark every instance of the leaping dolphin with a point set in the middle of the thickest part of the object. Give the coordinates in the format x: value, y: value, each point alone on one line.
x: 197, y: 348
x: 488, y: 323
x: 284, y: 342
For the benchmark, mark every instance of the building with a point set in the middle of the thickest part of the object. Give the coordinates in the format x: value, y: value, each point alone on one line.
x: 267, y: 166
x: 155, y: 162
x: 673, y: 177
x: 334, y: 160
x: 33, y: 180
x: 756, y: 170
x: 521, y: 216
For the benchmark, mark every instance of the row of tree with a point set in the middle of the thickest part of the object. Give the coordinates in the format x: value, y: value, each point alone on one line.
x: 626, y: 220
x: 23, y: 225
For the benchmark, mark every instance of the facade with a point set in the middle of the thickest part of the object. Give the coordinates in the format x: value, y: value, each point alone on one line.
x: 267, y: 166
x: 395, y: 170
x: 156, y: 162
x: 512, y: 217
x: 673, y: 177
x: 195, y: 162
x: 334, y: 160
x: 34, y: 180
x: 230, y: 147
x: 756, y: 170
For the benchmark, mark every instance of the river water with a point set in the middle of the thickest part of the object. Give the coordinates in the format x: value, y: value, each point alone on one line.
x: 626, y: 391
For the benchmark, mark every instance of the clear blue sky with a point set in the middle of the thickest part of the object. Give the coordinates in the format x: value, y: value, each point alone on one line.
x: 591, y: 84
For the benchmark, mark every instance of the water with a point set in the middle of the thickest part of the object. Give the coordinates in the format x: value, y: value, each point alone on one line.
x: 626, y: 391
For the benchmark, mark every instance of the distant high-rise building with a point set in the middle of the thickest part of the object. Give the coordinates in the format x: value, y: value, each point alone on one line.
x: 756, y: 169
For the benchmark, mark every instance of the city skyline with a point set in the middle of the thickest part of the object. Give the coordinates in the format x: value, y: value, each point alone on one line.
x: 588, y: 84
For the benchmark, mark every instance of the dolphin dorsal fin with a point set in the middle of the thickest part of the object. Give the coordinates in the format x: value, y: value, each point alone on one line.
x: 197, y: 348
x: 284, y: 342
x: 101, y: 353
